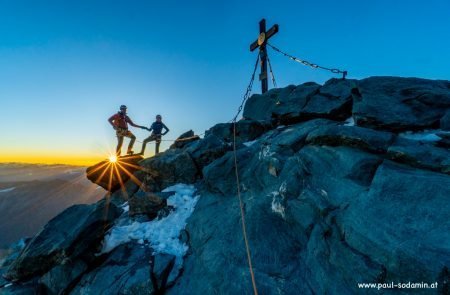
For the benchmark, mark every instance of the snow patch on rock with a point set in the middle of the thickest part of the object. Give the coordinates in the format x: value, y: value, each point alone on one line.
x: 250, y: 143
x: 265, y: 153
x: 163, y: 234
x: 349, y: 122
x: 426, y: 135
x: 278, y: 200
x: 7, y: 190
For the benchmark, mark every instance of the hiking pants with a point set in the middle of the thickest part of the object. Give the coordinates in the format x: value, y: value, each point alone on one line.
x: 121, y: 133
x: 153, y: 137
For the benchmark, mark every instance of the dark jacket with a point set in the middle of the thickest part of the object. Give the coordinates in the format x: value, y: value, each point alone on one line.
x: 157, y: 128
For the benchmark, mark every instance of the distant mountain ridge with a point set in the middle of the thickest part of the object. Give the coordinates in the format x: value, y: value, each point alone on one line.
x: 26, y: 172
x: 32, y: 194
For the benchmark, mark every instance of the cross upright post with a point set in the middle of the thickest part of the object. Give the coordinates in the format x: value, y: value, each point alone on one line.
x: 261, y: 44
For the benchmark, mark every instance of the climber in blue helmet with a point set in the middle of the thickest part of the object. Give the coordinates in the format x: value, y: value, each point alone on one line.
x: 157, y: 128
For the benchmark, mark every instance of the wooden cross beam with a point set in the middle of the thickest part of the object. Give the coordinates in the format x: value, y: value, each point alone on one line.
x: 261, y: 43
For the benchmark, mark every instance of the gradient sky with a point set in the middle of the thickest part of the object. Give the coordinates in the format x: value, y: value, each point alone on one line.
x: 66, y: 67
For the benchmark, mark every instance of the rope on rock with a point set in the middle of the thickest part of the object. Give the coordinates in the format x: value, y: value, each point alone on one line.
x: 238, y: 184
x: 309, y: 64
x: 179, y: 139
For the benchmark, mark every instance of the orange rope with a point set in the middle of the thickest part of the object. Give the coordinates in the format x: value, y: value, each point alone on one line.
x: 244, y: 230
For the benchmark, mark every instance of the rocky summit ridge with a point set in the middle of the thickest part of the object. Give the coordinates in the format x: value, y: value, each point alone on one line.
x: 342, y: 183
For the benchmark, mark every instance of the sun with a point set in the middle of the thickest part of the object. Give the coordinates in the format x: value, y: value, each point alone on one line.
x: 113, y: 159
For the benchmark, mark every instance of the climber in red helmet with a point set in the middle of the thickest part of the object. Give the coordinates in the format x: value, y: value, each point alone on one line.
x: 120, y: 123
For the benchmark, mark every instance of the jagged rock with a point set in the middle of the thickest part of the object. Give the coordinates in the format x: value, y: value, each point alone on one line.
x: 421, y: 155
x: 262, y: 160
x: 246, y: 130
x: 13, y: 251
x: 125, y: 271
x: 161, y: 266
x: 164, y: 195
x: 3, y: 281
x: 148, y: 204
x: 445, y: 121
x: 172, y: 167
x: 445, y: 141
x: 78, y: 230
x: 111, y: 176
x: 402, y: 223
x: 326, y: 207
x: 363, y: 138
x: 61, y: 278
x: 291, y: 139
x: 27, y: 288
x: 222, y: 169
x: 8, y: 256
x: 205, y: 151
x: 302, y: 216
x: 283, y: 103
x: 184, y: 139
x: 129, y: 189
x: 398, y: 104
x: 333, y: 101
x: 330, y: 175
x: 293, y: 104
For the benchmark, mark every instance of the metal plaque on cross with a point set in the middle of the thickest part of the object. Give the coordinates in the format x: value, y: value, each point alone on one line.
x: 261, y: 44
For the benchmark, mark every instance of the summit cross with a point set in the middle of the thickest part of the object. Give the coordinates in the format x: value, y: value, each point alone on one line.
x: 261, y: 44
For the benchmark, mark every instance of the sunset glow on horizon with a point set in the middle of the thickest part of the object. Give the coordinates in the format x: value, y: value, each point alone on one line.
x: 66, y: 67
x: 51, y: 159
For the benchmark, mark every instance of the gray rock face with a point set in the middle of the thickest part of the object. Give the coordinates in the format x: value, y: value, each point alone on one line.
x: 363, y: 138
x: 421, y: 155
x: 171, y: 167
x: 327, y: 205
x: 184, y: 139
x: 28, y: 288
x: 411, y: 240
x: 130, y: 187
x: 149, y: 204
x: 77, y: 231
x: 61, y: 277
x: 325, y: 210
x: 161, y: 266
x: 246, y: 130
x: 205, y: 151
x: 445, y: 121
x: 333, y: 101
x: 266, y: 154
x: 397, y: 104
x: 125, y: 271
x: 111, y: 176
x: 307, y: 101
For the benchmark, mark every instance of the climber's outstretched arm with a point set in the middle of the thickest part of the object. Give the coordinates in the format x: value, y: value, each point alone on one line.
x: 165, y: 128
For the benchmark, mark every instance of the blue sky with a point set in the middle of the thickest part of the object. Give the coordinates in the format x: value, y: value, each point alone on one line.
x: 65, y: 67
